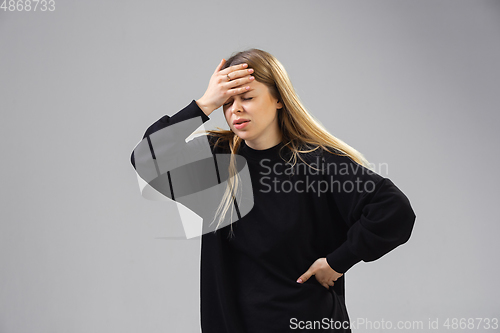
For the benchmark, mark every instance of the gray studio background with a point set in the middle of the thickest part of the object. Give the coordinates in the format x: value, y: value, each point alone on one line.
x: 413, y: 84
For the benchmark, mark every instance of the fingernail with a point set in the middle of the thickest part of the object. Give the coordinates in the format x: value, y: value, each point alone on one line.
x: 299, y: 280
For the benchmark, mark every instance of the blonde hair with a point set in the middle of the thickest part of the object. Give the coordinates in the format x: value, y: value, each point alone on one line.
x: 299, y: 129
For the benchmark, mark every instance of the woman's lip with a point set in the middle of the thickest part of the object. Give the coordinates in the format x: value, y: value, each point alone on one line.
x: 240, y: 121
x: 241, y: 125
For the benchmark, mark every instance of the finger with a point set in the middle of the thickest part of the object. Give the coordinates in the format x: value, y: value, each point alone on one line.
x: 238, y: 90
x: 222, y: 62
x: 304, y: 277
x: 239, y: 82
x: 241, y: 73
x: 233, y: 68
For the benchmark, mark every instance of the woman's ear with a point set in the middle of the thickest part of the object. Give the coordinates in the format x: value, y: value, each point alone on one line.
x: 279, y: 105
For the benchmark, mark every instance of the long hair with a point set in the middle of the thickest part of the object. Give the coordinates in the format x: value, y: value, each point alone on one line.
x: 301, y: 132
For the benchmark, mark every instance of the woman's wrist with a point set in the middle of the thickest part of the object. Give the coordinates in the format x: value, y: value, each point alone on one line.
x: 207, y: 109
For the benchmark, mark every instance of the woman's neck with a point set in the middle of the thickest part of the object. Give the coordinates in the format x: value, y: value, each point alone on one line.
x: 262, y: 142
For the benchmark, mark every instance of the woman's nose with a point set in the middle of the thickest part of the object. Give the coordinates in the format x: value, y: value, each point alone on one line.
x: 236, y: 107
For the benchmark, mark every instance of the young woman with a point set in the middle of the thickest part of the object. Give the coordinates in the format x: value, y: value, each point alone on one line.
x: 317, y: 208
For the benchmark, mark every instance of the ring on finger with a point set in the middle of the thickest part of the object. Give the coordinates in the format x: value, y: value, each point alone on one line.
x: 228, y: 78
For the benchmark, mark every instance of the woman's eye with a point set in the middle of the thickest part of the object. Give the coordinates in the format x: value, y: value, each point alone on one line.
x: 245, y: 99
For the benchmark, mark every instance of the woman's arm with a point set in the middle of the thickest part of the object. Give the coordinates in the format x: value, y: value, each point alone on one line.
x: 190, y: 173
x: 191, y: 111
x: 378, y: 215
x: 167, y: 165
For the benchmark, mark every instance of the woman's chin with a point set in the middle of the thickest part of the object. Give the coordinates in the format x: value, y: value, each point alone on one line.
x: 242, y: 134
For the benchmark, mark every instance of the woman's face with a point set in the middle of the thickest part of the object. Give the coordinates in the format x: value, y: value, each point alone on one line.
x: 260, y: 109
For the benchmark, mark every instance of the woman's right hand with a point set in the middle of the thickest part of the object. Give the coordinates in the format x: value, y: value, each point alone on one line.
x: 220, y: 88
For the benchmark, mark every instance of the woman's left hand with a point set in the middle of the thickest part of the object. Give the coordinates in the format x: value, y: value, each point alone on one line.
x: 325, y: 275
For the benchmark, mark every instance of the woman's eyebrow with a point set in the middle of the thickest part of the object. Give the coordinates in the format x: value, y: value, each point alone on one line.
x: 244, y: 93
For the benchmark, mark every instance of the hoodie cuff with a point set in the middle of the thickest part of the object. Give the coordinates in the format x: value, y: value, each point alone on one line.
x: 342, y: 258
x: 199, y: 111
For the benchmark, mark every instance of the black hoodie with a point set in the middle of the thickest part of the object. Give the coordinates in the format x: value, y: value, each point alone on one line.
x: 344, y: 213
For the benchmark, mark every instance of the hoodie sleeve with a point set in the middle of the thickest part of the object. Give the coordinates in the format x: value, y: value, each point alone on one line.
x: 378, y: 215
x: 191, y: 111
x: 163, y: 158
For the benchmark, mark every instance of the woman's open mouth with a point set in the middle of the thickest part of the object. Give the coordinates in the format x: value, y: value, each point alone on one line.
x: 241, y: 124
